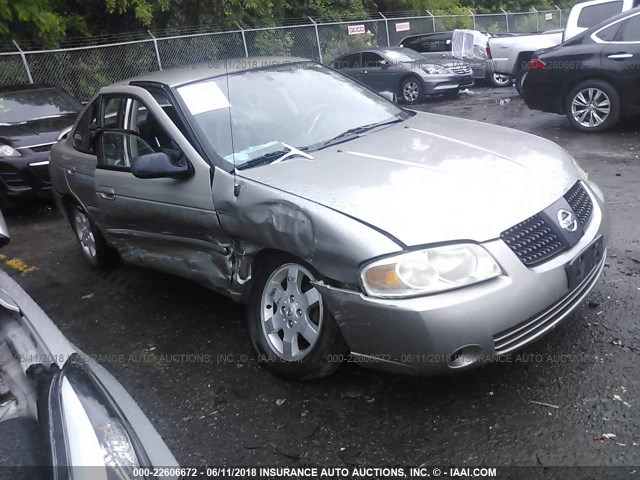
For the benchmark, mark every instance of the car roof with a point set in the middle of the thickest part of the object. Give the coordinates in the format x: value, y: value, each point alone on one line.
x: 21, y: 87
x: 174, y: 77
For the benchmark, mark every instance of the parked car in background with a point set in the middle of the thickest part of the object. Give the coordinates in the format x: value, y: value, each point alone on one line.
x: 404, y: 72
x: 344, y: 222
x: 59, y: 409
x: 32, y: 117
x: 511, y: 53
x: 594, y: 78
x: 470, y: 46
x: 586, y: 14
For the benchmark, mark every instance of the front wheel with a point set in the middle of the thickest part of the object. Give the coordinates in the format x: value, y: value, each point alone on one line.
x: 593, y: 106
x: 411, y: 90
x: 291, y: 326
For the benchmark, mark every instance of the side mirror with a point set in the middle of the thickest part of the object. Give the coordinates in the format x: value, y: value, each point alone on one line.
x: 160, y: 165
x: 389, y: 96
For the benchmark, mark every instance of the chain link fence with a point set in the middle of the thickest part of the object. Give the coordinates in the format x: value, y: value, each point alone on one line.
x: 83, y: 70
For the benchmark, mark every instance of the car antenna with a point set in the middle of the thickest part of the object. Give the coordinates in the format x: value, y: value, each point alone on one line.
x: 236, y: 186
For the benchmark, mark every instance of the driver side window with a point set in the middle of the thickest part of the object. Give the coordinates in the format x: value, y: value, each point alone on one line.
x: 129, y: 131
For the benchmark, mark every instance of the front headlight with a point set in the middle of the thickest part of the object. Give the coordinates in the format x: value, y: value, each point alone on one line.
x: 435, y: 69
x: 583, y: 175
x: 428, y: 271
x: 96, y: 432
x: 8, y: 151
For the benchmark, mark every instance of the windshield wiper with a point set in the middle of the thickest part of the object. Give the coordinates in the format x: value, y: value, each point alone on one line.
x: 276, y: 156
x: 352, y: 133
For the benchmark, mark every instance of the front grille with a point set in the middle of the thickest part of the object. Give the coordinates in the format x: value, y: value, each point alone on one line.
x: 515, y: 337
x: 460, y: 69
x: 12, y: 177
x: 533, y: 241
x: 580, y: 202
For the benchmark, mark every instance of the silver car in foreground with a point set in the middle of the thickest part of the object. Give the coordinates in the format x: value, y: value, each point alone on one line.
x: 408, y: 241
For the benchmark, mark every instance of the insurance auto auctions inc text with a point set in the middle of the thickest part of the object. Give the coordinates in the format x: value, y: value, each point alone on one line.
x: 372, y: 472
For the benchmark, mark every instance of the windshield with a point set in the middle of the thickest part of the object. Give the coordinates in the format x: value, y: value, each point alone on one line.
x: 406, y: 55
x: 299, y: 106
x: 28, y: 105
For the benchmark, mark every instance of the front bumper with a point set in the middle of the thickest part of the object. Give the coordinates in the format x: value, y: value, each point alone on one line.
x: 436, y: 84
x: 463, y: 328
x: 25, y: 175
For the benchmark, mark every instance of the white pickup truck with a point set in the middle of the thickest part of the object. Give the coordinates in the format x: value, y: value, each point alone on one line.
x: 511, y: 53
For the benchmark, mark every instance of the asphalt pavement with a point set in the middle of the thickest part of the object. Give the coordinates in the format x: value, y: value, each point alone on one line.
x: 185, y: 355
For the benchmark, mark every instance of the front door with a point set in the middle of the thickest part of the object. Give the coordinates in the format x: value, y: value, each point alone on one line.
x: 163, y: 223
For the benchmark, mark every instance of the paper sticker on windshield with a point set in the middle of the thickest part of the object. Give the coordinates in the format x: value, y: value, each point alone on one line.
x: 203, y: 97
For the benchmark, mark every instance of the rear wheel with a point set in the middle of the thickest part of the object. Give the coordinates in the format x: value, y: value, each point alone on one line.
x: 593, y: 106
x: 290, y: 324
x: 498, y: 80
x: 520, y: 76
x: 411, y: 90
x: 92, y: 243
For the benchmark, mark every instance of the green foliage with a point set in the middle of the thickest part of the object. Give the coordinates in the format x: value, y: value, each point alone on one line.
x: 273, y: 42
x: 335, y: 43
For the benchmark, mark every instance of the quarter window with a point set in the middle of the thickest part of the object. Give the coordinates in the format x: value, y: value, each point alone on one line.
x: 630, y: 30
x: 609, y: 33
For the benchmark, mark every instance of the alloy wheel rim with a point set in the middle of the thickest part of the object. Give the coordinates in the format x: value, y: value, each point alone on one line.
x: 590, y: 107
x: 410, y: 91
x: 501, y: 79
x: 85, y: 234
x: 291, y: 312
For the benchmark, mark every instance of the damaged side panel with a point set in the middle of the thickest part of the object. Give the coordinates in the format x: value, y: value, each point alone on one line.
x: 262, y: 217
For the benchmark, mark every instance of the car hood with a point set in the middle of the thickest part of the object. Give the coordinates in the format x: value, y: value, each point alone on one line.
x: 431, y: 178
x: 36, y: 132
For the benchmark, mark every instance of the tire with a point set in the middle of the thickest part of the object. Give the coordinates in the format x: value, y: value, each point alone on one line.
x: 500, y: 81
x: 520, y: 79
x: 279, y: 338
x: 601, y: 104
x: 411, y: 90
x: 92, y: 244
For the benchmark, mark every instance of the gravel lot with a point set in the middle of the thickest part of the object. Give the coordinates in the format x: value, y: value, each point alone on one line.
x: 213, y: 404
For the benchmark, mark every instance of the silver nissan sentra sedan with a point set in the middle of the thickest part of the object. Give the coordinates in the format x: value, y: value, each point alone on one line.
x: 350, y: 227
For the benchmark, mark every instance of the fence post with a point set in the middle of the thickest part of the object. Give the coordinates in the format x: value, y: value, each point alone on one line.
x: 506, y: 16
x: 386, y: 26
x: 155, y: 45
x: 537, y: 19
x: 433, y: 19
x: 244, y: 41
x: 24, y: 62
x: 317, y: 38
x: 473, y: 18
x: 560, y: 12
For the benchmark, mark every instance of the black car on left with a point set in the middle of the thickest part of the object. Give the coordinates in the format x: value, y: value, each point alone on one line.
x: 593, y: 78
x: 31, y: 119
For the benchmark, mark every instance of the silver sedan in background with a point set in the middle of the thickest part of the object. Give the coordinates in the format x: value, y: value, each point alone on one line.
x: 412, y: 242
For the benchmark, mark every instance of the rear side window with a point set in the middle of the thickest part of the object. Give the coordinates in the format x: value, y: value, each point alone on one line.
x: 82, y: 137
x: 590, y: 16
x: 349, y: 61
x: 371, y: 60
x: 630, y: 30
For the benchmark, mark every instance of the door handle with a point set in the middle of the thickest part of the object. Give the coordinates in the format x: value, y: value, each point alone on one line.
x: 107, y: 193
x: 71, y: 171
x: 365, y: 72
x: 620, y: 56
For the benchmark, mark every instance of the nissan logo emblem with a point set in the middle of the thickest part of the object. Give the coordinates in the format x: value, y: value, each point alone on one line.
x: 567, y: 220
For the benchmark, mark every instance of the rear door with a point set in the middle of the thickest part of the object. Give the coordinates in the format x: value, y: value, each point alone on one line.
x: 163, y: 223
x: 621, y: 60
